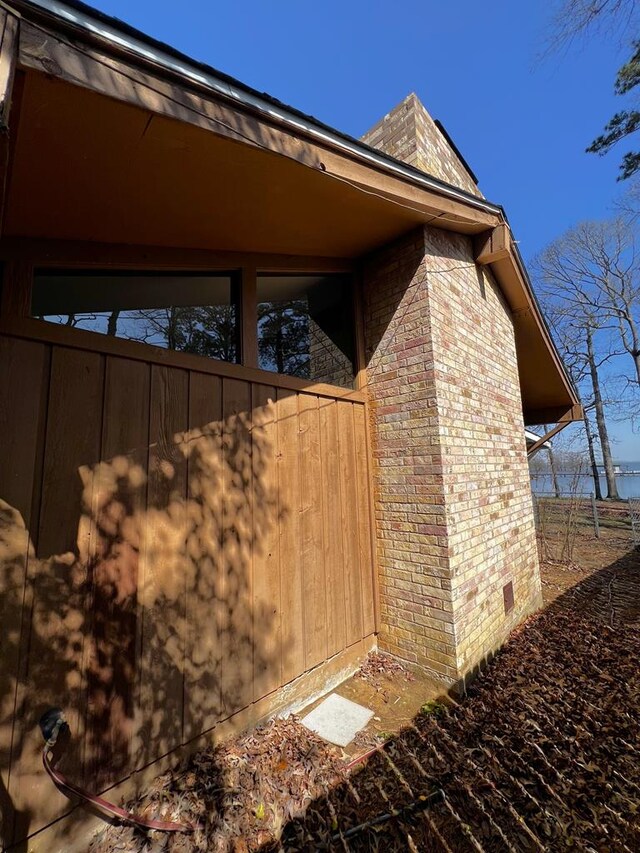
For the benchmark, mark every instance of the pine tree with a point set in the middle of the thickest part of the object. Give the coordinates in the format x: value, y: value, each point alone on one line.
x: 625, y: 122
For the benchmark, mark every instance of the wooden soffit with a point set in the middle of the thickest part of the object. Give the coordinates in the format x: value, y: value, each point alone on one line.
x: 547, y: 393
x: 178, y: 166
x: 105, y: 146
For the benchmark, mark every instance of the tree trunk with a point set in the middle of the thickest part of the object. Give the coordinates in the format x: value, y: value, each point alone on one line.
x: 592, y: 460
x: 634, y: 349
x: 279, y: 349
x: 171, y: 328
x: 612, y: 489
x: 112, y: 323
x: 554, y: 475
x: 552, y: 467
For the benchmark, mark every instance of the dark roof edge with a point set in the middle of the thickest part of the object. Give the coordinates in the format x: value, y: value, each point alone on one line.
x: 85, y: 18
x: 456, y: 151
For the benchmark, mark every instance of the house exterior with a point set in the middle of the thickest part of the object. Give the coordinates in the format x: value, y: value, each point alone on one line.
x: 263, y: 390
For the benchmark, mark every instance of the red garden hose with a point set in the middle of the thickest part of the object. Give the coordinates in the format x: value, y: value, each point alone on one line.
x: 51, y: 724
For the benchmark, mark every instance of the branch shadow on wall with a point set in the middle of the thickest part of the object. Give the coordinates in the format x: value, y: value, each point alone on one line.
x: 148, y: 633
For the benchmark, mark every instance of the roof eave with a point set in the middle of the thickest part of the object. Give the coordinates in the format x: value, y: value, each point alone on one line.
x: 115, y: 38
x: 83, y: 20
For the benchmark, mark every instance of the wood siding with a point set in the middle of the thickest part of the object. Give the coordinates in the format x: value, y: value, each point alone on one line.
x: 174, y: 545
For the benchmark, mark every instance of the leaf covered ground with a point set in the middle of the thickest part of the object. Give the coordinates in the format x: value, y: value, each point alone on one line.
x: 542, y: 754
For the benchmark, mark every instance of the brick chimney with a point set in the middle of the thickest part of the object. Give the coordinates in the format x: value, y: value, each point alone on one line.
x: 456, y: 542
x: 408, y: 133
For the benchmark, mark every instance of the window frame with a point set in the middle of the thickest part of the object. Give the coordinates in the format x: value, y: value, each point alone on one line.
x: 20, y: 257
x: 235, y: 298
x: 351, y: 283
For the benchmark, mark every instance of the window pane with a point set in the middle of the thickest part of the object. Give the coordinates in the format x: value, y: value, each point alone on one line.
x: 183, y: 312
x: 305, y: 327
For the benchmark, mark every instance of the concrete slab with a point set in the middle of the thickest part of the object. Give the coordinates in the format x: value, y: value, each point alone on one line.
x: 337, y: 719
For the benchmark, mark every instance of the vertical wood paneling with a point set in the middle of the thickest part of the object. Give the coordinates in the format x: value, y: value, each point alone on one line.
x: 350, y: 498
x: 163, y: 568
x: 237, y: 538
x: 60, y: 575
x: 205, y: 590
x: 364, y: 521
x: 211, y: 534
x: 267, y: 642
x: 15, y: 295
x: 23, y: 370
x: 119, y: 505
x: 24, y: 376
x: 293, y: 603
x: 311, y: 532
x: 74, y: 428
x: 332, y: 522
x: 63, y: 585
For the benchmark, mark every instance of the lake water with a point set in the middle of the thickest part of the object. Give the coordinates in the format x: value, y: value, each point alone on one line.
x: 628, y: 483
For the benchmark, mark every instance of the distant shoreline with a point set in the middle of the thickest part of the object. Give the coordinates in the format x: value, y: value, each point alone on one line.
x: 581, y: 483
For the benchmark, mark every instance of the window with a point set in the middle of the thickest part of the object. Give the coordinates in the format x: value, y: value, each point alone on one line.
x: 187, y: 312
x: 305, y: 323
x: 306, y: 327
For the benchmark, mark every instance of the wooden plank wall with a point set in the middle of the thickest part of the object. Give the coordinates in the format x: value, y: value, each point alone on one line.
x: 174, y: 546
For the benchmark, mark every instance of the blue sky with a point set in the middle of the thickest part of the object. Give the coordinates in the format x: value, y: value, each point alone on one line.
x: 522, y: 122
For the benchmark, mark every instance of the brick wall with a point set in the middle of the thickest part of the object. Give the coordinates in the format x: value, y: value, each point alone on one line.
x: 409, y: 133
x: 490, y: 526
x: 327, y: 362
x: 453, y: 504
x: 416, y: 604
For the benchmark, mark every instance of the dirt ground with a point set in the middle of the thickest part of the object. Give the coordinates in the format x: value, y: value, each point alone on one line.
x: 395, y: 692
x: 542, y: 754
x: 567, y: 532
x: 600, y: 575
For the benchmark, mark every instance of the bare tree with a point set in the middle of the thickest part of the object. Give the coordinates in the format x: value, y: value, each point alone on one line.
x: 544, y: 464
x: 583, y: 366
x: 595, y: 269
x: 576, y: 320
x: 209, y: 330
x: 574, y: 19
x: 598, y: 406
x: 112, y: 323
x: 591, y: 439
x: 552, y: 468
x: 627, y: 205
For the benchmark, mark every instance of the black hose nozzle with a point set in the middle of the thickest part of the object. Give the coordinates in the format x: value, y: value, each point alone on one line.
x: 51, y: 724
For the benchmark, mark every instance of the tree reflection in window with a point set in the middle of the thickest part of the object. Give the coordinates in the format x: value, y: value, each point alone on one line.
x: 142, y: 307
x: 283, y: 335
x: 305, y: 327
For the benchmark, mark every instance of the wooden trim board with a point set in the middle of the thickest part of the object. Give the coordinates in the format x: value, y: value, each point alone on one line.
x: 39, y: 330
x: 9, y: 28
x: 69, y: 253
